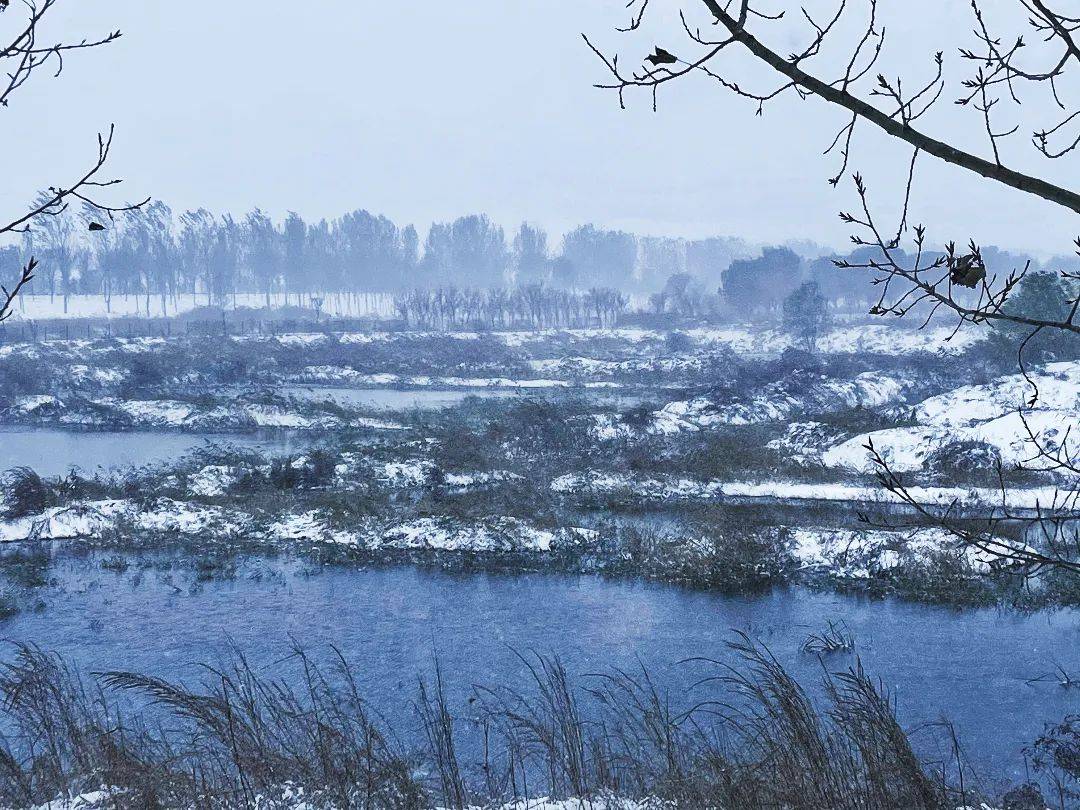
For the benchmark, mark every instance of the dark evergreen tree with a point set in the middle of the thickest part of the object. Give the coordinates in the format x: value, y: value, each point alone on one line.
x: 1043, y: 294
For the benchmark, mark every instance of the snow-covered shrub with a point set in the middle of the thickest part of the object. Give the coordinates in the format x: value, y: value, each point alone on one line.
x: 26, y: 374
x: 945, y: 576
x: 1027, y: 796
x: 26, y: 493
x: 467, y: 453
x: 319, y: 467
x: 702, y: 555
x: 539, y: 426
x: 27, y: 568
x: 231, y: 363
x: 9, y: 605
x: 151, y: 369
x: 677, y: 342
x: 639, y: 417
x: 311, y: 470
x: 723, y: 454
x: 964, y: 461
x: 284, y: 475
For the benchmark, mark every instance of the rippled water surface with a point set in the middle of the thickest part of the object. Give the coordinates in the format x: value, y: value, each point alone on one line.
x: 970, y: 666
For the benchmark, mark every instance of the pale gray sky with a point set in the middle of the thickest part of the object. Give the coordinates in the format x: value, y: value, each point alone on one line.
x: 427, y: 110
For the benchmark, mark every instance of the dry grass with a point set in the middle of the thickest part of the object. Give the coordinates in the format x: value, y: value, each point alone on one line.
x: 240, y: 739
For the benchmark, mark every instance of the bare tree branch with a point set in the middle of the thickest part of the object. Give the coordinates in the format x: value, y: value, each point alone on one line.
x: 19, y: 59
x: 953, y: 281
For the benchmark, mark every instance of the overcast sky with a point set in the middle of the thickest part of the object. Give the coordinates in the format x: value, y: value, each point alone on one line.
x: 428, y: 110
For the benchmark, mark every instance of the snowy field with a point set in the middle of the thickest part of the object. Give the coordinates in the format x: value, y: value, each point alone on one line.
x: 46, y: 307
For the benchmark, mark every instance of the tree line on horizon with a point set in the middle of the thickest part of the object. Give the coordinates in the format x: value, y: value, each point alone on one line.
x: 153, y: 253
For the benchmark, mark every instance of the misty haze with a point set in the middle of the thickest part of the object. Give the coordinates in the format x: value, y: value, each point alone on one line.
x: 540, y: 406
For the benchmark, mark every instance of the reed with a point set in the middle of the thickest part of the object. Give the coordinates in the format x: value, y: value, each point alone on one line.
x: 240, y: 739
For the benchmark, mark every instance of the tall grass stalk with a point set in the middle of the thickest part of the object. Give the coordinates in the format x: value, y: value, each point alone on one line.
x: 753, y: 739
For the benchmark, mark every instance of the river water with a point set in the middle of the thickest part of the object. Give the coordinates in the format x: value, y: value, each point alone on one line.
x: 404, y: 400
x: 971, y: 667
x: 391, y: 399
x: 53, y: 452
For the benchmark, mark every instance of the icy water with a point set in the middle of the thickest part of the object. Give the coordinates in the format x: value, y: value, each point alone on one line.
x: 971, y: 666
x: 53, y: 452
x: 389, y: 399
x: 392, y: 399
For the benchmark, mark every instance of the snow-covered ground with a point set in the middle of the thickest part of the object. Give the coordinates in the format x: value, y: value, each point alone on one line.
x: 1019, y: 419
x: 670, y: 489
x: 340, y: 375
x: 861, y: 339
x: 744, y: 340
x: 42, y: 307
x: 862, y: 553
x: 781, y: 401
x: 163, y: 414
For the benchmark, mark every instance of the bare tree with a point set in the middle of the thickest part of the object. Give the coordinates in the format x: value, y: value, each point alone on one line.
x: 533, y: 305
x: 21, y: 58
x: 1018, y: 48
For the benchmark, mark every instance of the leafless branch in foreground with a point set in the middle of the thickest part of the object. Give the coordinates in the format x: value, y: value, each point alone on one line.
x: 1015, y: 49
x: 21, y: 57
x: 892, y: 106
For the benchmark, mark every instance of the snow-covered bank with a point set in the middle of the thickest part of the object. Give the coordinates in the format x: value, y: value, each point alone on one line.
x: 600, y: 484
x: 32, y: 307
x: 864, y: 553
x: 446, y: 534
x: 846, y: 553
x: 743, y: 339
x: 340, y: 375
x: 206, y: 416
x: 782, y: 401
x: 1016, y: 419
x: 94, y: 520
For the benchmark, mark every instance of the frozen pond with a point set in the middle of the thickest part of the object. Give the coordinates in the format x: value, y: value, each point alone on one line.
x: 390, y: 399
x: 393, y: 399
x: 970, y: 666
x: 53, y: 452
